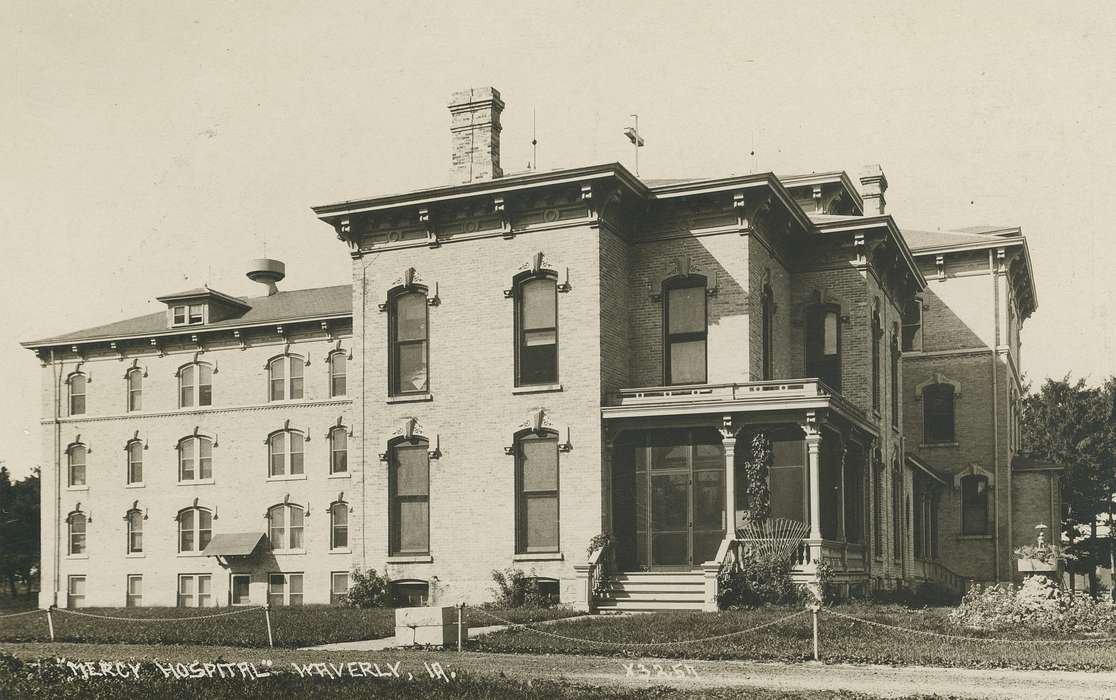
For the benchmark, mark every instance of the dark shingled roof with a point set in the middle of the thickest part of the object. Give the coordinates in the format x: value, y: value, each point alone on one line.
x: 291, y: 305
x: 233, y: 544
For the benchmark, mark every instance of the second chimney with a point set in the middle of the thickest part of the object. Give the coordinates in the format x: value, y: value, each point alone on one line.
x: 873, y: 184
x: 475, y: 129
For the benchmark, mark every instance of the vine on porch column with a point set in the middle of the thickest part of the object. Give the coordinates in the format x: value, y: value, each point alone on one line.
x: 756, y: 469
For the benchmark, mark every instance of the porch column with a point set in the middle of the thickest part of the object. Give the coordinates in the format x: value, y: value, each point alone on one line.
x: 729, y: 444
x: 813, y: 448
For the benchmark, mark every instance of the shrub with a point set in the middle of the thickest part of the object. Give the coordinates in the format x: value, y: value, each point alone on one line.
x: 1037, y: 604
x: 517, y: 589
x: 757, y: 579
x: 924, y: 594
x: 606, y: 565
x: 367, y: 590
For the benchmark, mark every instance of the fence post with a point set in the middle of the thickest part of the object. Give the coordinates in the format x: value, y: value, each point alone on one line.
x: 50, y: 621
x: 460, y: 631
x: 814, y: 611
x: 267, y: 615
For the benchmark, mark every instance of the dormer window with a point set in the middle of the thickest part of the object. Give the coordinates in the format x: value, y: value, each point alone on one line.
x: 189, y: 315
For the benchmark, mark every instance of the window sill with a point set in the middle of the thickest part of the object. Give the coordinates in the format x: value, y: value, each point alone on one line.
x: 134, y: 555
x: 287, y: 477
x: 77, y: 556
x: 933, y: 445
x: 286, y: 401
x: 974, y: 537
x: 409, y: 398
x: 536, y: 388
x: 189, y: 555
x: 410, y: 559
x: 197, y: 482
x: 341, y: 551
x: 284, y: 552
x: 77, y: 488
x: 538, y: 556
x: 340, y: 475
x: 136, y: 485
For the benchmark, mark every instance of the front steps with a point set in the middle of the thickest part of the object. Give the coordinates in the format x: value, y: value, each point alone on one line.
x: 646, y: 591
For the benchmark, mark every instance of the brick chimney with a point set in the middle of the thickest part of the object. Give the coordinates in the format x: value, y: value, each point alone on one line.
x: 475, y: 129
x: 873, y: 184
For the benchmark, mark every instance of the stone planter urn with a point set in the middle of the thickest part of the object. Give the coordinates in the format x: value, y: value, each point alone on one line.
x: 1035, y: 566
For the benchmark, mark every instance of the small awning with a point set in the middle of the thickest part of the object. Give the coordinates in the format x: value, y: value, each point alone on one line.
x: 233, y: 544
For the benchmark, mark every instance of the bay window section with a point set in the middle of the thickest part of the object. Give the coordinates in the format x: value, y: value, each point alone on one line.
x: 685, y: 320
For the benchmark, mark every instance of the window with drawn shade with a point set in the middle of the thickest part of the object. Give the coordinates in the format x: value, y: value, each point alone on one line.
x: 537, y: 494
x: 409, y: 499
x: 937, y: 413
x: 76, y: 384
x: 767, y: 334
x: 686, y: 331
x: 195, y: 385
x: 77, y: 522
x: 134, y: 521
x: 339, y: 526
x: 408, y: 341
x: 75, y: 591
x: 195, y: 529
x: 195, y: 590
x: 337, y: 373
x: 75, y: 457
x: 537, y: 331
x: 338, y: 450
x: 286, y: 450
x: 974, y: 505
x: 285, y: 525
x: 195, y: 459
x: 285, y: 377
x: 823, y: 344
x: 135, y: 389
x: 284, y: 589
x: 133, y: 598
x: 135, y: 462
x: 876, y: 330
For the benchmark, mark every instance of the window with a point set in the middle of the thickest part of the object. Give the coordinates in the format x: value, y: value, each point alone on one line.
x: 240, y: 589
x: 134, y: 380
x: 195, y: 459
x: 338, y: 586
x: 286, y: 453
x: 75, y: 457
x: 974, y: 505
x: 284, y: 589
x: 686, y: 331
x: 896, y: 381
x: 912, y: 326
x: 877, y: 333
x: 285, y: 376
x: 896, y: 513
x: 188, y: 315
x: 133, y: 596
x: 877, y: 509
x: 409, y: 594
x: 767, y: 334
x: 134, y: 519
x: 77, y: 522
x: 408, y: 341
x: 338, y: 450
x: 75, y: 591
x: 339, y: 526
x: 409, y: 498
x: 338, y: 366
x: 285, y: 523
x: 195, y: 590
x: 195, y: 385
x: 76, y: 384
x: 823, y: 344
x: 134, y: 451
x: 937, y: 413
x: 536, y: 484
x: 195, y: 529
x: 536, y: 317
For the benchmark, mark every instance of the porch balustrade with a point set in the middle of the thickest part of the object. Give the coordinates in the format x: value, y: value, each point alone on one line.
x: 713, y: 393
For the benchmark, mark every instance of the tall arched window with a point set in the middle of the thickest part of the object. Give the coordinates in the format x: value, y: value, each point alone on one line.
x: 407, y: 338
x: 338, y: 450
x: 134, y: 452
x: 686, y: 323
x: 536, y: 330
x: 195, y: 385
x: 76, y: 523
x: 877, y: 508
x: 195, y: 458
x: 876, y: 331
x: 339, y: 526
x: 285, y: 377
x: 285, y: 524
x: 195, y: 529
x: 767, y: 334
x: 896, y: 512
x: 75, y: 458
x: 896, y: 381
x: 409, y: 498
x: 134, y: 381
x: 134, y: 520
x: 338, y: 369
x: 285, y: 450
x: 536, y: 488
x: 76, y: 385
x: 912, y: 325
x: 974, y: 505
x: 937, y: 413
x: 823, y: 344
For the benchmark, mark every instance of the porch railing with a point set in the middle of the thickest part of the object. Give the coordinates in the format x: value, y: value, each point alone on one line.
x: 707, y: 393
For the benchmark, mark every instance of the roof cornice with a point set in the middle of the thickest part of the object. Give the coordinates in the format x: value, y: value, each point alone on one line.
x: 875, y: 222
x: 839, y: 177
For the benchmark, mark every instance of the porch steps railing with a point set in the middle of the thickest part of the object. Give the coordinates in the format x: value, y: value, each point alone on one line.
x: 645, y: 591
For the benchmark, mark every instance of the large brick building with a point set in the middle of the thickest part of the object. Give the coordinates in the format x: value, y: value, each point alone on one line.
x: 526, y: 360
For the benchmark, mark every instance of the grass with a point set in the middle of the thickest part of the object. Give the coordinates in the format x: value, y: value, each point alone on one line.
x: 841, y: 641
x: 291, y: 627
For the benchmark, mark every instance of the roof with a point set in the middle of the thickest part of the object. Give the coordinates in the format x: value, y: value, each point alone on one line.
x: 931, y: 240
x: 233, y: 544
x: 914, y: 461
x: 202, y: 293
x: 284, y: 306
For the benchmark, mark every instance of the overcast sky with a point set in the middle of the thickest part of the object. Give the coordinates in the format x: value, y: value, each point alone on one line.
x: 149, y: 147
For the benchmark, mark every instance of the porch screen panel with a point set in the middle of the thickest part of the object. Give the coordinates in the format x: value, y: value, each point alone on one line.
x: 709, y: 515
x: 787, y: 477
x: 642, y: 507
x: 669, y: 519
x: 831, y: 489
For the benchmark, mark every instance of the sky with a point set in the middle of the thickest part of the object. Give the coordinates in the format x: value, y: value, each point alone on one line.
x: 150, y: 147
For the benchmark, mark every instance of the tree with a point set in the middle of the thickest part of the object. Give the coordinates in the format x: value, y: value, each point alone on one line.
x: 1071, y: 424
x: 19, y: 529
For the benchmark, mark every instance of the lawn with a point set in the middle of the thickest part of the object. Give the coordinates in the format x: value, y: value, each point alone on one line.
x: 291, y: 627
x: 841, y: 641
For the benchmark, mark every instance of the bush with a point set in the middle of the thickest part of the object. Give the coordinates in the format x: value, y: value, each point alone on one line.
x: 924, y: 594
x: 757, y: 579
x: 517, y: 589
x: 1037, y: 604
x: 368, y: 590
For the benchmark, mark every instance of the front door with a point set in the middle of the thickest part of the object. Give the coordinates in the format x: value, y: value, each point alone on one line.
x: 679, y: 498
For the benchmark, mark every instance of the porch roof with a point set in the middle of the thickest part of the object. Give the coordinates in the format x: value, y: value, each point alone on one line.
x: 233, y: 544
x: 697, y: 399
x: 917, y: 463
